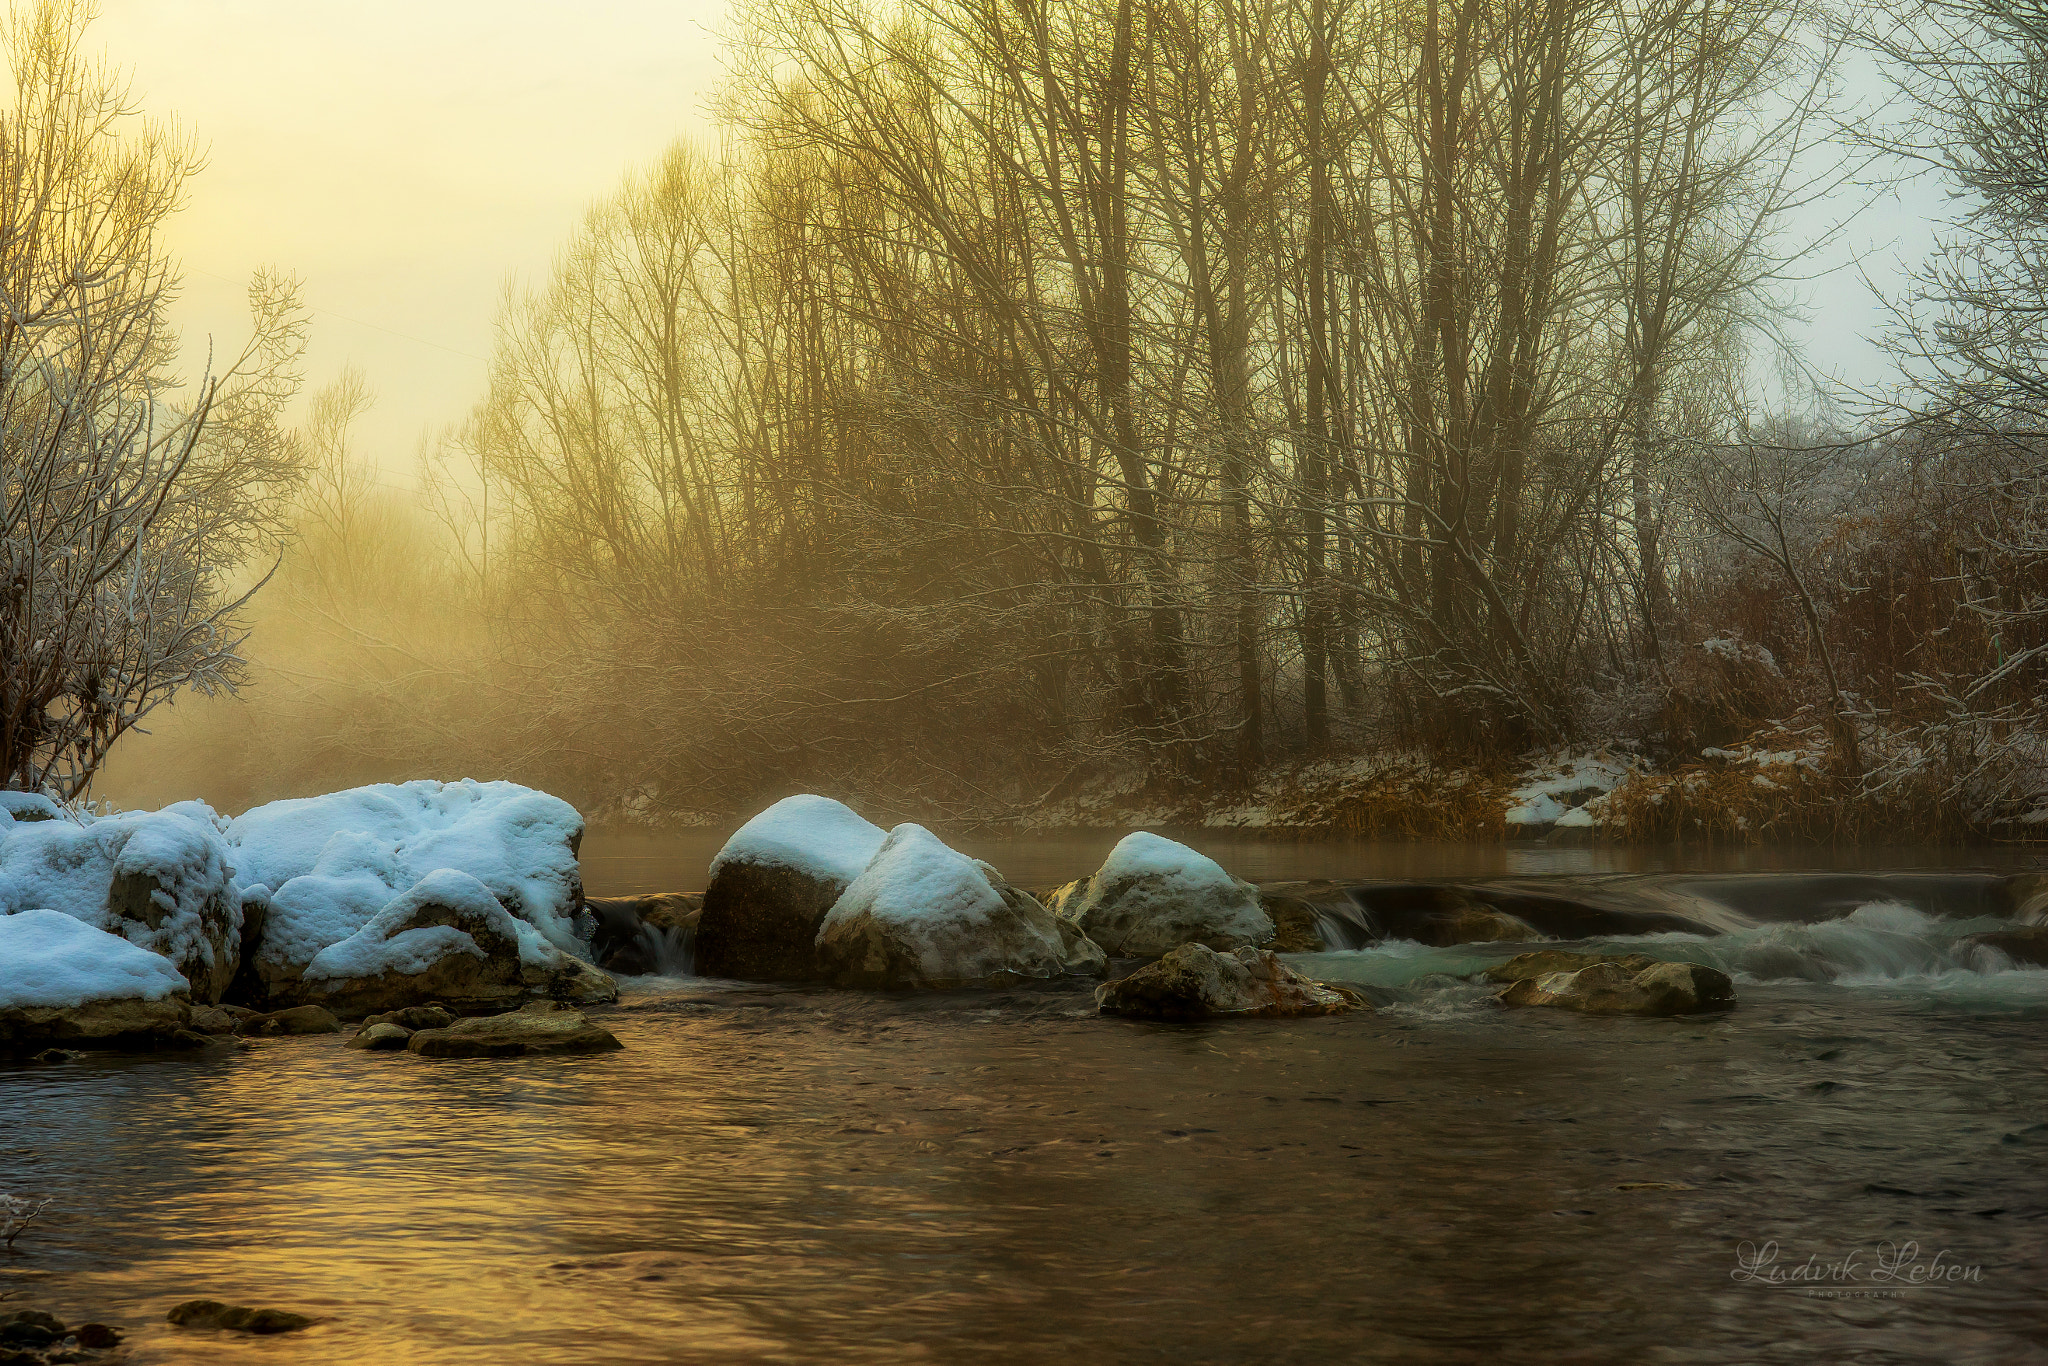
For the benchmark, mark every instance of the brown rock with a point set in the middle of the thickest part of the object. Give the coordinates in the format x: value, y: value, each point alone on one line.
x: 236, y: 1318
x: 2027, y: 944
x: 297, y: 1020
x: 381, y: 1038
x: 546, y: 1029
x: 1298, y: 928
x: 1615, y: 989
x: 1543, y: 962
x: 415, y: 1017
x: 1196, y: 982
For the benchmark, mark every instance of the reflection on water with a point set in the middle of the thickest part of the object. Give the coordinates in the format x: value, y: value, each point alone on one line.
x: 820, y: 1176
x: 625, y: 864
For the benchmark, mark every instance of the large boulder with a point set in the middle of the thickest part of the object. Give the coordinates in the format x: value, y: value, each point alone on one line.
x: 1544, y: 962
x: 1152, y: 894
x: 61, y: 980
x: 162, y: 880
x: 446, y: 940
x: 922, y: 915
x: 1195, y: 982
x: 331, y: 864
x: 772, y: 884
x: 1618, y: 989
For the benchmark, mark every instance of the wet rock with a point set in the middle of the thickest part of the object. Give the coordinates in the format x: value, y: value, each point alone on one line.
x: 1616, y: 989
x: 1152, y: 894
x: 415, y: 1017
x: 49, y: 1055
x: 1297, y: 927
x: 296, y: 1020
x: 772, y: 884
x: 382, y: 1038
x: 1195, y: 982
x: 212, y: 1020
x: 925, y: 916
x: 31, y: 1328
x: 1543, y: 962
x: 1468, y: 922
x: 546, y: 1029
x: 97, y: 1337
x: 2027, y: 944
x: 236, y: 1318
x: 450, y: 940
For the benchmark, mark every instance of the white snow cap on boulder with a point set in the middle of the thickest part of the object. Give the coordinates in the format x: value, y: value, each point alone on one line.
x: 1153, y: 894
x: 816, y: 836
x: 383, y: 945
x: 49, y: 959
x: 161, y: 880
x: 921, y: 914
x: 334, y: 862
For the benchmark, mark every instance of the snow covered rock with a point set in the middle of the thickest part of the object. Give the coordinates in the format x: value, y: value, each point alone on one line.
x: 1195, y: 982
x: 331, y: 864
x: 922, y: 915
x: 162, y: 880
x: 1152, y: 894
x: 447, y: 940
x: 62, y: 979
x: 772, y: 884
x: 1621, y: 989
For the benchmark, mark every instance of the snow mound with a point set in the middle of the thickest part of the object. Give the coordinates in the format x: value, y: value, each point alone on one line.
x: 1558, y: 790
x: 336, y: 862
x: 161, y: 880
x: 812, y: 835
x: 383, y: 944
x: 922, y: 914
x: 1143, y: 854
x: 49, y: 959
x: 1153, y: 894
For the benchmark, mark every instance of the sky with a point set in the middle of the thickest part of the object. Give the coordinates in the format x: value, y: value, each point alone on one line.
x: 402, y: 159
x: 405, y: 159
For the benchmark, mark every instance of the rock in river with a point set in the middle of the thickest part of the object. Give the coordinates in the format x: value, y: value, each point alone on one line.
x: 538, y: 1028
x: 1543, y: 962
x: 922, y: 915
x: 61, y: 980
x: 449, y: 940
x: 1151, y: 894
x: 1195, y: 982
x: 236, y: 1318
x: 772, y: 884
x: 1618, y: 989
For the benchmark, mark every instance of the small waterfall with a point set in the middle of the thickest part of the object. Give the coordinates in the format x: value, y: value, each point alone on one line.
x: 671, y: 949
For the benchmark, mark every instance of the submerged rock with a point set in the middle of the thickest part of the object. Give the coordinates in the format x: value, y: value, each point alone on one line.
x: 1617, y: 989
x: 236, y: 1318
x: 922, y: 915
x: 63, y: 981
x: 1543, y: 962
x: 447, y: 940
x: 2027, y: 944
x: 540, y: 1028
x: 1152, y: 894
x: 1195, y: 982
x: 381, y: 1038
x: 297, y: 1020
x: 772, y: 884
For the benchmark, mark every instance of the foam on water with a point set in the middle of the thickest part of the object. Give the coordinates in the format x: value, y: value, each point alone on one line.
x: 1880, y: 946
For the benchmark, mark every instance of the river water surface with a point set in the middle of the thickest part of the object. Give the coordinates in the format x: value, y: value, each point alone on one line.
x: 808, y: 1175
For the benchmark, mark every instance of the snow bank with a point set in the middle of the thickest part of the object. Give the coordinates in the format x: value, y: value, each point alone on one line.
x: 52, y: 960
x: 812, y: 835
x: 1558, y: 790
x: 161, y: 880
x: 334, y: 863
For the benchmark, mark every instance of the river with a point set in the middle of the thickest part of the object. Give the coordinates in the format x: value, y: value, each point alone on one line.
x: 1851, y: 1166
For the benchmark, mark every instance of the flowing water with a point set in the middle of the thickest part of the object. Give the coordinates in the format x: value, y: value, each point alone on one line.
x: 1852, y: 1165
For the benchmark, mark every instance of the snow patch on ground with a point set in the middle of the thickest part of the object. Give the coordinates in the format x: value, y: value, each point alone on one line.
x: 813, y: 835
x: 1564, y: 788
x: 55, y: 960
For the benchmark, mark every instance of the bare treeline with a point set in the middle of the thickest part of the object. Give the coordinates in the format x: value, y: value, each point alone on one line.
x: 1021, y: 392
